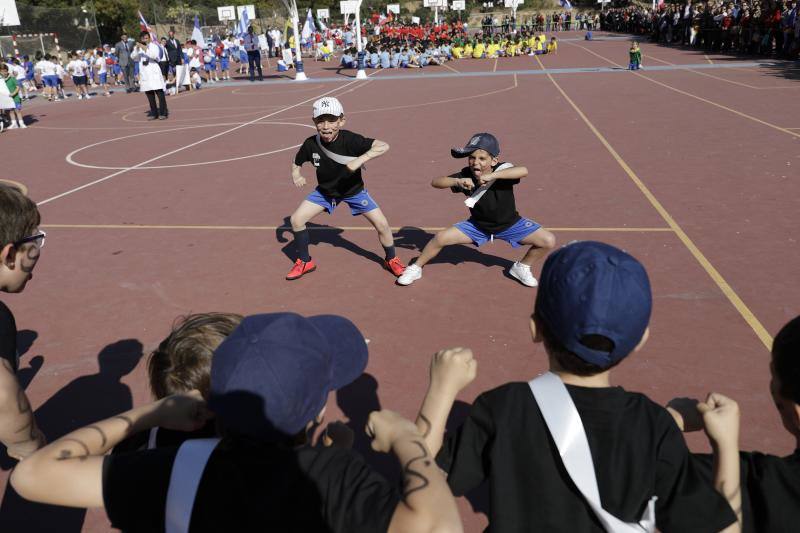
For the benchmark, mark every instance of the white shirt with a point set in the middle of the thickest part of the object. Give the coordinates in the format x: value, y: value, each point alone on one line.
x: 46, y: 68
x: 77, y: 67
x: 18, y: 70
x: 100, y: 63
x: 60, y: 72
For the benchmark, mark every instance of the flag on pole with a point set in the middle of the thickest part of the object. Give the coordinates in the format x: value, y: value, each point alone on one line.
x: 565, y: 4
x: 244, y: 23
x: 146, y: 27
x: 308, y: 27
x: 197, y: 34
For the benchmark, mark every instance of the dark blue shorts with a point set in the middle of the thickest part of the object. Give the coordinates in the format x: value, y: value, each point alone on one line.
x: 359, y: 203
x: 50, y: 80
x: 103, y: 78
x: 224, y: 63
x: 521, y: 229
x: 79, y: 80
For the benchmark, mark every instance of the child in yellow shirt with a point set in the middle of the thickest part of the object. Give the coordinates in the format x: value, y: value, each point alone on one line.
x: 552, y: 46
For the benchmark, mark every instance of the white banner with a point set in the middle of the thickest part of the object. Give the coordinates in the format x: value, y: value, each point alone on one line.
x: 459, y: 5
x: 414, y: 20
x: 225, y: 13
x: 394, y: 8
x: 513, y: 4
x: 8, y: 13
x: 323, y: 13
x: 251, y: 11
x: 348, y: 7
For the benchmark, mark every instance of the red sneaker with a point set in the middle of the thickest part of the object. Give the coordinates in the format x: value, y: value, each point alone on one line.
x: 395, y: 266
x: 300, y: 269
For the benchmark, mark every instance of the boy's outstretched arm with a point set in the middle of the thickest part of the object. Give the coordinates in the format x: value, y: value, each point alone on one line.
x: 297, y: 178
x: 447, y: 182
x: 378, y: 149
x: 721, y: 423
x: 451, y: 370
x: 508, y: 173
x: 427, y: 504
x: 18, y: 429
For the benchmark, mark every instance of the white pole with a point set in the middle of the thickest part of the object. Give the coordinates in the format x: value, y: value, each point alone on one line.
x: 361, y: 74
x: 436, y: 14
x: 299, y: 74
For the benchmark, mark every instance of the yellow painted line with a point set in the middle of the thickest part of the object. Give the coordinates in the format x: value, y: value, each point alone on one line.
x: 690, y: 95
x: 323, y: 228
x: 723, y: 285
x: 494, y: 68
x: 708, y: 58
x: 16, y: 184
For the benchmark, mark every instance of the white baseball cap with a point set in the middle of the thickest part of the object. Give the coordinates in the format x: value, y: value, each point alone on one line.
x: 328, y: 106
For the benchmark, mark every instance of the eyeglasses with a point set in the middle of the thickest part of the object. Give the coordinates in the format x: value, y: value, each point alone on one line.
x: 37, y: 239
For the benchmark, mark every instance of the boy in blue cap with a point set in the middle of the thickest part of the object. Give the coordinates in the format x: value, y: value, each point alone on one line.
x: 592, y: 310
x: 493, y: 211
x: 270, y: 381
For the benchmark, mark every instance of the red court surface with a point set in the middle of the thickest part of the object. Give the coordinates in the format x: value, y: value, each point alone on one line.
x: 695, y: 172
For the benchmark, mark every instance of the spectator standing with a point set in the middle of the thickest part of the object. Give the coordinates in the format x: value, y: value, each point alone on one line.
x: 251, y: 46
x: 151, y: 81
x: 124, y: 48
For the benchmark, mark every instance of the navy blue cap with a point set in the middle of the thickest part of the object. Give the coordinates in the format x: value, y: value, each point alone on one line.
x: 479, y: 141
x: 272, y: 375
x: 592, y: 288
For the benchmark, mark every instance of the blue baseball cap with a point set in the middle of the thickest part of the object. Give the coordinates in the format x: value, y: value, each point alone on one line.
x: 272, y: 375
x: 479, y: 141
x: 592, y: 288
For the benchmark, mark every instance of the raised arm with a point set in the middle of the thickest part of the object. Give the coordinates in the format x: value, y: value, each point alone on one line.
x: 18, y: 429
x: 451, y: 371
x: 427, y: 504
x: 378, y: 149
x: 446, y: 182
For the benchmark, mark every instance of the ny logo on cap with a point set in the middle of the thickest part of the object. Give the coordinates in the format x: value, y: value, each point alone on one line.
x: 325, y: 103
x: 474, y: 140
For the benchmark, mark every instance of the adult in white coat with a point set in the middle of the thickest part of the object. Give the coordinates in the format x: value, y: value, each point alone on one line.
x: 151, y: 80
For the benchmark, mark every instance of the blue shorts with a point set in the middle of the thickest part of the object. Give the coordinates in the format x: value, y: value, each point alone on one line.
x: 50, y: 80
x: 224, y: 63
x: 359, y: 203
x: 79, y: 80
x: 103, y: 78
x: 513, y: 235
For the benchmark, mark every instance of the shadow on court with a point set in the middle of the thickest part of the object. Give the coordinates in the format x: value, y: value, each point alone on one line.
x: 408, y: 238
x: 84, y: 400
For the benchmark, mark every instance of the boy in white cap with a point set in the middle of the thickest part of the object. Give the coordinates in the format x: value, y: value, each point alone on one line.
x: 338, y: 156
x: 493, y: 211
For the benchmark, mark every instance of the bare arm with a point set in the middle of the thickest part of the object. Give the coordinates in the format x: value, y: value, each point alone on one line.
x: 509, y: 173
x: 427, y: 504
x: 18, y: 429
x: 721, y: 419
x: 451, y: 370
x: 446, y: 182
x: 69, y: 471
x: 378, y: 149
x: 297, y: 178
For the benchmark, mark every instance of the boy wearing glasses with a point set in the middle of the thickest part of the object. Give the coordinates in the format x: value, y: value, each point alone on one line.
x: 20, y: 246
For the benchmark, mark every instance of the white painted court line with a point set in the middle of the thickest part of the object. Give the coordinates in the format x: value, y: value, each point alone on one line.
x: 156, y: 158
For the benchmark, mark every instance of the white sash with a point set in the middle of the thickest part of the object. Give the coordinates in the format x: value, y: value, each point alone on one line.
x: 480, y: 191
x: 566, y: 428
x: 187, y: 470
x: 341, y: 159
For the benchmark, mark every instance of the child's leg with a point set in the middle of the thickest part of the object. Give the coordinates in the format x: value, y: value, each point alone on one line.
x: 541, y: 241
x: 302, y: 215
x: 444, y: 238
x: 381, y: 225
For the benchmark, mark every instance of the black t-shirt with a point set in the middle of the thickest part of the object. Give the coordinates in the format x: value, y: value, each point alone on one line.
x: 8, y: 336
x: 496, y: 211
x: 637, y: 450
x: 334, y: 179
x: 254, y: 488
x: 164, y: 438
x: 771, y: 490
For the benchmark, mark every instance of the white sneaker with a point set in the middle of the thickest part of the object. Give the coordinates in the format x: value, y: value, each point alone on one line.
x: 22, y: 125
x: 88, y: 97
x: 411, y: 274
x: 523, y: 274
x: 80, y: 97
x: 12, y: 126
